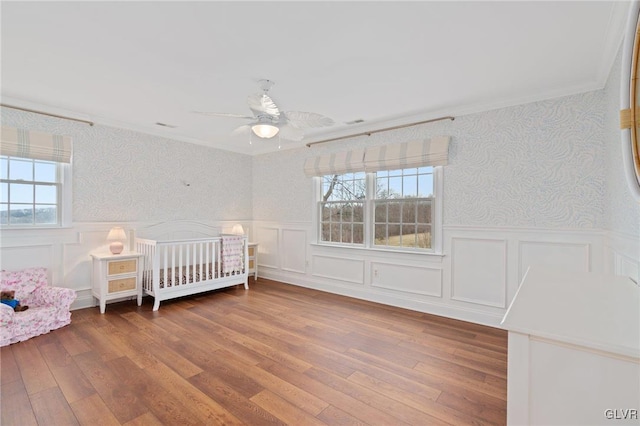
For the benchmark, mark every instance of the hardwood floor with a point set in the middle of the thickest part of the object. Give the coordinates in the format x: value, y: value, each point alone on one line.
x: 276, y: 354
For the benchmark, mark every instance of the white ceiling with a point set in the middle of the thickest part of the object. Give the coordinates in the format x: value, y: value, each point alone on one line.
x: 132, y: 64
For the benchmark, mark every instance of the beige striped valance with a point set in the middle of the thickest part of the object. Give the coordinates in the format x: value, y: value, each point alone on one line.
x: 35, y: 145
x: 335, y: 164
x: 429, y: 152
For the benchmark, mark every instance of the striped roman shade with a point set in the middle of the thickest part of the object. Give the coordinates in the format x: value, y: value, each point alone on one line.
x: 429, y: 152
x: 35, y: 145
x: 335, y: 164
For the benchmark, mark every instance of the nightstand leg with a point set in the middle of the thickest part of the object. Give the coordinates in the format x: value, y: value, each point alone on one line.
x: 103, y: 305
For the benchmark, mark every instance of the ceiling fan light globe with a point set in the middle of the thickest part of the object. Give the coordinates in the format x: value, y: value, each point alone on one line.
x: 265, y: 131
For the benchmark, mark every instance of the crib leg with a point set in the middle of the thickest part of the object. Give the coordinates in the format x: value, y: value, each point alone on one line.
x: 246, y: 283
x: 156, y: 303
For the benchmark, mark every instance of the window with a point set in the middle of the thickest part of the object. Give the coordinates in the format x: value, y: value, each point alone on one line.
x: 402, y: 208
x: 394, y: 209
x: 342, y: 208
x: 381, y: 197
x: 35, y: 179
x: 32, y: 192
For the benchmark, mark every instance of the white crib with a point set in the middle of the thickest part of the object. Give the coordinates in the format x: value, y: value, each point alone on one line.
x: 180, y: 268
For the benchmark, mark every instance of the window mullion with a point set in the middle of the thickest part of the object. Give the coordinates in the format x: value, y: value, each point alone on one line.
x: 369, y: 210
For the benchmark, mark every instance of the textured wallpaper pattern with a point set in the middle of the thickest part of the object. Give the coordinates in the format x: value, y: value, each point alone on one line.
x: 551, y: 164
x: 121, y: 175
x: 622, y: 211
x: 533, y: 165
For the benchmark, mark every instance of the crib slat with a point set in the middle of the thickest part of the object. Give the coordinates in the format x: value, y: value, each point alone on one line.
x: 200, y: 247
x: 164, y: 270
x: 207, y: 267
x: 180, y: 248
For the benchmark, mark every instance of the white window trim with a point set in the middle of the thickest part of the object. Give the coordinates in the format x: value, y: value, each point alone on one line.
x: 436, y: 228
x: 65, y: 203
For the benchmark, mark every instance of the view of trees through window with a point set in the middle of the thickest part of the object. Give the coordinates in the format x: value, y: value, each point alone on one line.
x: 402, y: 208
x: 28, y: 191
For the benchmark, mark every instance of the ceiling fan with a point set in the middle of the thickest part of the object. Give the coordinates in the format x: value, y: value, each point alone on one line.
x: 267, y: 120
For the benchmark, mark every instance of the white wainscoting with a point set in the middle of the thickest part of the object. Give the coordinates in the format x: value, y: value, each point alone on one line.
x: 564, y: 256
x: 622, y: 255
x: 475, y: 279
x: 269, y: 246
x: 294, y: 250
x: 420, y: 280
x: 66, y: 251
x: 479, y: 271
x: 348, y: 270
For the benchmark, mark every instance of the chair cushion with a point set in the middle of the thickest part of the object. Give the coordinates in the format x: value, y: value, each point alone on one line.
x: 23, y: 282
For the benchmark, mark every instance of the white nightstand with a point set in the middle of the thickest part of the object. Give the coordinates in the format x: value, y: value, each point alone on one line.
x: 253, y: 259
x: 115, y: 276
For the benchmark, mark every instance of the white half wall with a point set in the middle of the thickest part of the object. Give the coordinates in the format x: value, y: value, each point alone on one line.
x: 475, y: 279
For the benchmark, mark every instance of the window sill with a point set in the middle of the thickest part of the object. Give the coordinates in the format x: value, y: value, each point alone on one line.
x: 34, y: 228
x: 380, y: 250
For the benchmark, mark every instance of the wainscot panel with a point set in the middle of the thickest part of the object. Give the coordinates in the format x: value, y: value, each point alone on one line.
x: 407, y: 279
x: 338, y: 268
x: 479, y: 271
x: 294, y: 250
x: 269, y: 248
x: 559, y: 255
x: 622, y: 255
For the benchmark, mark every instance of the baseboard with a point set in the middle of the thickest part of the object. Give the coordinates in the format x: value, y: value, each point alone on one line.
x: 440, y: 309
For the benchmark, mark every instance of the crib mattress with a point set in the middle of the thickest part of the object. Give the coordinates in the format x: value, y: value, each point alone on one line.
x: 183, y: 276
x: 177, y: 276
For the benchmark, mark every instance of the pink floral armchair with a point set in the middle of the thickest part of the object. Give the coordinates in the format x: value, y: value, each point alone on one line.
x: 48, y: 306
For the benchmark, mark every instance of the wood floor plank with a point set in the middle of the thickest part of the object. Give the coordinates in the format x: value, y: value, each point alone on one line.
x: 16, y: 405
x: 9, y: 371
x: 401, y: 411
x: 33, y: 368
x: 427, y: 405
x: 435, y: 378
x: 51, y: 404
x: 151, y: 396
x: 276, y: 354
x: 299, y: 397
x: 72, y: 343
x: 337, y: 417
x: 146, y: 419
x: 66, y: 372
x: 92, y: 410
x: 201, y: 407
x: 218, y: 363
x: 239, y: 405
x: 122, y: 400
x: 287, y: 412
x: 476, y: 407
x: 366, y: 413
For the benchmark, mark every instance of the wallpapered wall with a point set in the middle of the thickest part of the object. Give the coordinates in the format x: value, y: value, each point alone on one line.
x: 533, y: 165
x: 551, y: 164
x: 622, y: 212
x: 121, y: 175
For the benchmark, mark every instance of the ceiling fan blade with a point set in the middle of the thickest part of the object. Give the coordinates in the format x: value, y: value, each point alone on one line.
x: 223, y: 114
x: 260, y: 103
x: 307, y: 120
x: 291, y: 133
x: 241, y: 130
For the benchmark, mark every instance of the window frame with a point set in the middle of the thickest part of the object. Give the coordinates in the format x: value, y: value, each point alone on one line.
x: 64, y: 195
x: 369, y: 218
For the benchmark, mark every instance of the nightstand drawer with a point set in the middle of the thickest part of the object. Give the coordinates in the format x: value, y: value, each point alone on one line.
x: 122, y: 266
x: 123, y: 284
